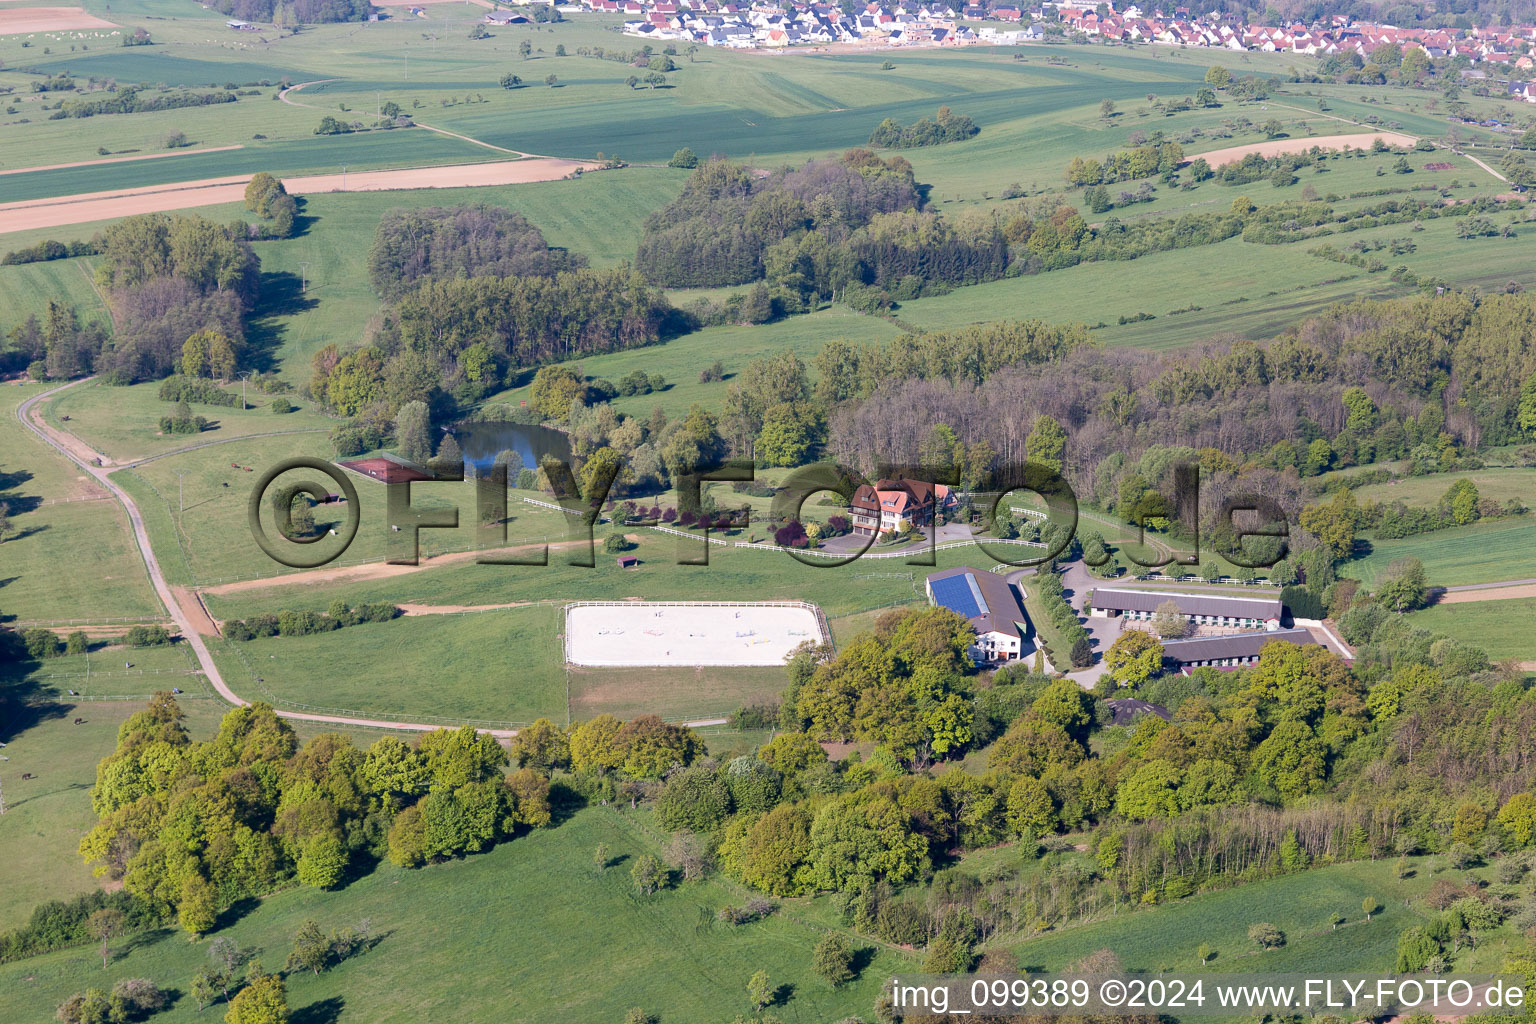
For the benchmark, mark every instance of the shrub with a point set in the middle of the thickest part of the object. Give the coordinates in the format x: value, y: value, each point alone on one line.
x: 281, y: 406
x: 147, y: 636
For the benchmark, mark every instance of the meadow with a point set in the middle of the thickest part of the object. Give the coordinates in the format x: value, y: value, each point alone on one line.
x: 123, y: 422
x: 1167, y: 937
x: 46, y: 815
x: 1496, y: 484
x: 62, y: 519
x: 518, y: 912
x: 1485, y: 624
x: 493, y: 668
x: 1481, y: 553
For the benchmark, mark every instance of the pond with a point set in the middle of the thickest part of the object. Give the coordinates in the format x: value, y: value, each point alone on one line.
x: 481, y: 441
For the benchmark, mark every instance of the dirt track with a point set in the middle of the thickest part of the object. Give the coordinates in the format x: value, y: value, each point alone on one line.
x: 1278, y: 147
x: 15, y: 21
x: 84, y: 208
x: 381, y: 571
x: 1487, y: 594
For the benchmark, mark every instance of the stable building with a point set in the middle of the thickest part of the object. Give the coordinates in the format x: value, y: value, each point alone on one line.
x: 1232, y: 651
x: 1198, y: 609
x: 990, y: 604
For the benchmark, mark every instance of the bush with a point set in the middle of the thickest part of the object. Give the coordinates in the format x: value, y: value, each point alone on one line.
x: 195, y: 389
x: 147, y: 636
x: 281, y: 406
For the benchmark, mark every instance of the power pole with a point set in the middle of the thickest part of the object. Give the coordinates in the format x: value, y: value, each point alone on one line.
x: 244, y: 375
x: 181, y: 505
x: 303, y: 276
x: 343, y: 177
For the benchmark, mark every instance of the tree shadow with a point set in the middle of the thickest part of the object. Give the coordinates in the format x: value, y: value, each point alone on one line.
x: 862, y: 958
x: 235, y: 911
x: 282, y: 296
x: 140, y: 940
x: 564, y: 802
x: 782, y: 995
x: 13, y: 478
x: 301, y: 222
x: 24, y: 702
x: 326, y: 1011
x: 613, y: 862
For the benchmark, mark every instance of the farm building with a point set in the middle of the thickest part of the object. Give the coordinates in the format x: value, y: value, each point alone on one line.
x: 990, y: 604
x: 1229, y: 651
x: 1199, y: 609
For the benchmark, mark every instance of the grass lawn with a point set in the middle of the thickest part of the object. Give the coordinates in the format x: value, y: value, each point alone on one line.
x: 28, y: 287
x: 1486, y: 624
x: 124, y: 422
x: 519, y: 911
x: 1504, y: 549
x: 1498, y: 484
x: 46, y: 815
x: 72, y: 556
x: 1166, y: 937
x: 502, y: 668
x: 733, y: 574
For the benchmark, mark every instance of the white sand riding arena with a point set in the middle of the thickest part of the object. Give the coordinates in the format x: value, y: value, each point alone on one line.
x: 635, y: 633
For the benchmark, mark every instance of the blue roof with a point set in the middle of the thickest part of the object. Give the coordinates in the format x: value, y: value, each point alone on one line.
x: 961, y: 595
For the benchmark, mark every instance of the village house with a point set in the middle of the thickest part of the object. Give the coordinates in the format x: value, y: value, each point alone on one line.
x: 890, y: 504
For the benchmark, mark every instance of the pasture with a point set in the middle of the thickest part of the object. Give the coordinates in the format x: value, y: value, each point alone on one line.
x: 1496, y: 484
x: 1167, y: 937
x: 62, y: 519
x: 493, y: 668
x: 48, y: 814
x: 123, y: 422
x: 1481, y: 553
x: 1489, y: 625
x: 519, y: 911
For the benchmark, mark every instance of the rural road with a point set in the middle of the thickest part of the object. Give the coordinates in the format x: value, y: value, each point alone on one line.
x: 34, y: 422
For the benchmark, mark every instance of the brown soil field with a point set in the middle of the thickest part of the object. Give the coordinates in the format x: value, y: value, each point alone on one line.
x: 1487, y: 594
x: 92, y: 206
x: 15, y: 21
x: 1278, y: 147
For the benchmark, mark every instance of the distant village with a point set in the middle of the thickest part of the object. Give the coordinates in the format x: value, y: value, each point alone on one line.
x: 763, y: 24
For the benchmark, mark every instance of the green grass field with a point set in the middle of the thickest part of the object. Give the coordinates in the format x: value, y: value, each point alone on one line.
x: 1167, y: 937
x: 1485, y: 624
x: 1498, y: 484
x: 29, y: 287
x: 498, y: 929
x: 46, y: 815
x: 1481, y: 553
x: 71, y: 556
x: 123, y: 423
x: 501, y: 668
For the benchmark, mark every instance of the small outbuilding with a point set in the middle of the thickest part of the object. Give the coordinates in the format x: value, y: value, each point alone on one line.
x: 628, y: 562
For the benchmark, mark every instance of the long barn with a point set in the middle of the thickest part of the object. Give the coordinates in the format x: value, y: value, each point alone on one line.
x: 1199, y: 609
